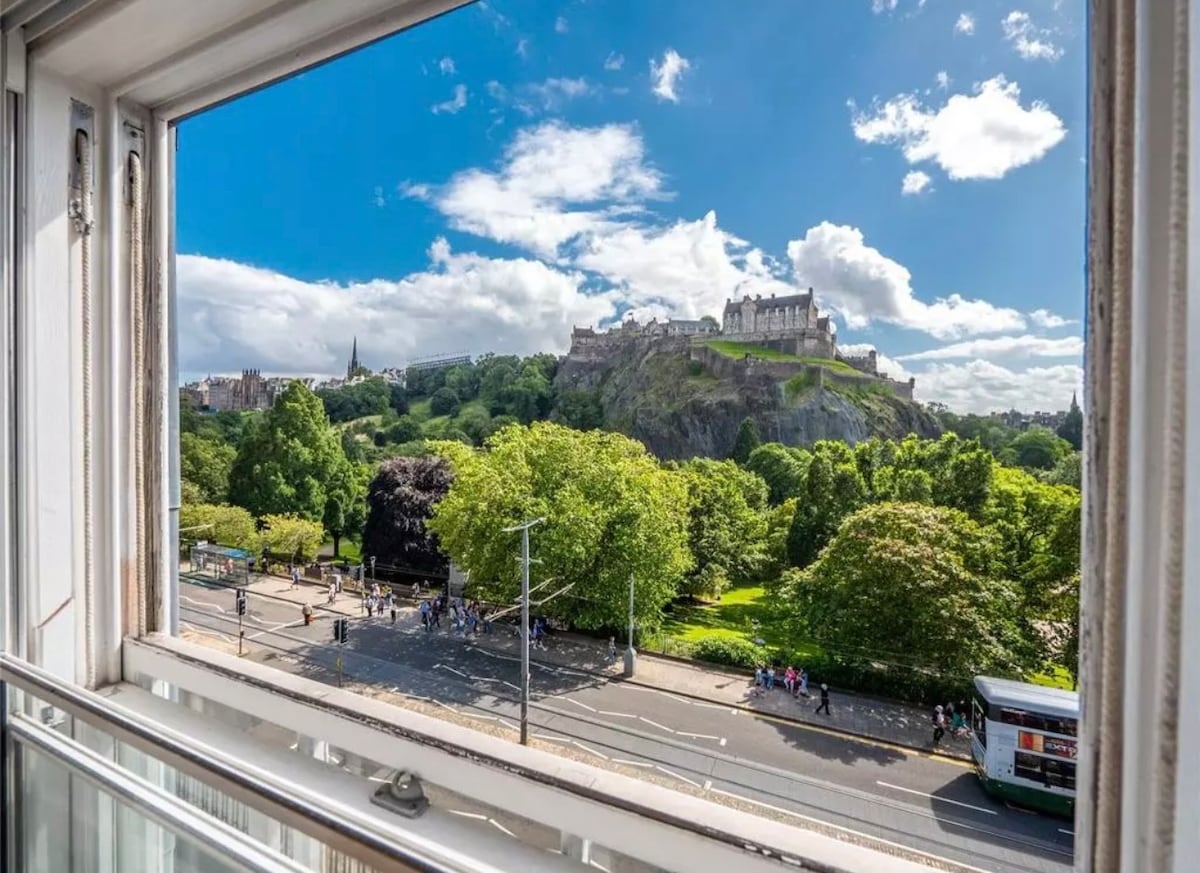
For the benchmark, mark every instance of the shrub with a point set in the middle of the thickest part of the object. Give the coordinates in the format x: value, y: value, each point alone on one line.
x: 731, y: 651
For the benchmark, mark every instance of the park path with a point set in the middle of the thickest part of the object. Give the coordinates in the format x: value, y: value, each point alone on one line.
x: 885, y: 720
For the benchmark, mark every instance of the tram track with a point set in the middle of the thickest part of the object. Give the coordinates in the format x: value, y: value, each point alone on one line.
x: 725, y: 775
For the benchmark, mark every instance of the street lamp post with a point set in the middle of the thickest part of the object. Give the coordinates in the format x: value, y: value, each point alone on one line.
x: 524, y: 529
x: 630, y: 654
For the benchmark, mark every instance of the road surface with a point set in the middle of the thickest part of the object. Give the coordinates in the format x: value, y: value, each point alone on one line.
x: 931, y: 804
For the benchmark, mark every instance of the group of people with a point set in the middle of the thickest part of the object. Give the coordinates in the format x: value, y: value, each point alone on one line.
x: 952, y: 718
x: 766, y: 677
x: 376, y: 600
x: 465, y: 619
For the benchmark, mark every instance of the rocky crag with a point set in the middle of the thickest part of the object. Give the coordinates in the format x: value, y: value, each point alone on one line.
x: 684, y: 397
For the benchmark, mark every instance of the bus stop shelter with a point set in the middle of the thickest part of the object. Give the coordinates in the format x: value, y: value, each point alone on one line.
x: 222, y: 563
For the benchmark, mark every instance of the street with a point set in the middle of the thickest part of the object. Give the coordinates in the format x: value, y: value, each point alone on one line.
x: 931, y: 804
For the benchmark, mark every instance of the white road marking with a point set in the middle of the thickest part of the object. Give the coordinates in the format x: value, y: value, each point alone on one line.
x: 935, y: 797
x: 511, y: 685
x: 206, y: 632
x: 445, y: 706
x: 1067, y: 832
x: 707, y: 784
x: 589, y: 750
x: 661, y: 727
x: 675, y: 775
x: 722, y: 741
x: 577, y: 703
x: 697, y: 736
x: 451, y: 669
x: 272, y: 629
x: 632, y: 763
x: 855, y: 833
x: 617, y: 714
x: 201, y: 603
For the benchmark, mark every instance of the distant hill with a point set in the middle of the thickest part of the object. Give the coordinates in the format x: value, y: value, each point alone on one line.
x: 683, y: 397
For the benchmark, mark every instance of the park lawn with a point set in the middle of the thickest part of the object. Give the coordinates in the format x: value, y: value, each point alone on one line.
x: 350, y: 551
x: 1059, y: 678
x: 732, y: 616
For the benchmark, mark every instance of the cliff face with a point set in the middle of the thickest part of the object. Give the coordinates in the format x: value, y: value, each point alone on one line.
x: 652, y: 391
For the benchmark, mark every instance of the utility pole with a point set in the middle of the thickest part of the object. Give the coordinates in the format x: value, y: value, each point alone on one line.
x: 630, y: 654
x: 524, y: 529
x: 240, y: 600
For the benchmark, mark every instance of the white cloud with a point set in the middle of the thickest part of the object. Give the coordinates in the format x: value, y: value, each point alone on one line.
x: 496, y: 91
x: 915, y: 182
x: 461, y: 302
x: 378, y: 198
x: 687, y: 269
x: 560, y: 25
x: 523, y: 47
x: 455, y: 103
x: 546, y: 171
x: 982, y: 387
x: 1030, y: 42
x: 943, y: 79
x: 1046, y: 318
x: 863, y: 285
x: 614, y: 61
x: 667, y: 73
x: 878, y: 6
x: 965, y: 24
x: 1025, y: 346
x: 982, y: 136
x: 554, y: 93
x: 446, y: 65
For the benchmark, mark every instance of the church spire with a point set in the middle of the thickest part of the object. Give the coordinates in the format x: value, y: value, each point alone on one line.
x: 353, y: 366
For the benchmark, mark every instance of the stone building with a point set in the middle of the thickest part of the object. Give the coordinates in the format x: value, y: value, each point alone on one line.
x: 789, y: 324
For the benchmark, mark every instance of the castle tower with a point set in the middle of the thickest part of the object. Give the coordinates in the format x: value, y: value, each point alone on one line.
x: 353, y: 360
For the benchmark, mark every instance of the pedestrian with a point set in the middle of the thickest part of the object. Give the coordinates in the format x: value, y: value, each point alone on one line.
x: 939, y: 724
x: 804, y: 682
x: 789, y: 680
x: 824, y: 700
x: 612, y: 650
x: 393, y: 614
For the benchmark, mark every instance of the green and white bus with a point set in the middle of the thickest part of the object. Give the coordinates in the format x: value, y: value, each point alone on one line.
x: 1024, y: 741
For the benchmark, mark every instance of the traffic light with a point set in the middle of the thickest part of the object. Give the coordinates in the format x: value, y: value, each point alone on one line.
x: 341, y: 630
x: 241, y: 602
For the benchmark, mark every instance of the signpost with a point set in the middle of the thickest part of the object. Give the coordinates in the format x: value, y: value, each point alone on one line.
x: 524, y: 529
x: 240, y: 603
x: 341, y: 633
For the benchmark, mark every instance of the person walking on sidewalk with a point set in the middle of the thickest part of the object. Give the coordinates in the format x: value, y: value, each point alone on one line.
x: 939, y: 724
x: 612, y: 650
x: 824, y: 700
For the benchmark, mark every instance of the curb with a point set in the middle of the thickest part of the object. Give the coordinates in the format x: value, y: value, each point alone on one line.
x: 750, y: 710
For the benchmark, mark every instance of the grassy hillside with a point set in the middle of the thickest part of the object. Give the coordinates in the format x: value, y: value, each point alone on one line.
x: 737, y: 351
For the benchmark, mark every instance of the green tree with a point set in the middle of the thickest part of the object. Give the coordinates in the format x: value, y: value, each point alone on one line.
x: 581, y: 410
x: 291, y: 460
x: 833, y: 489
x: 335, y: 521
x: 405, y: 430
x: 463, y: 380
x: 1068, y: 471
x: 912, y: 583
x: 291, y: 535
x: 1071, y: 429
x: 610, y: 512
x: 444, y: 402
x: 398, y: 398
x: 401, y: 499
x: 781, y: 467
x: 475, y: 423
x: 206, y: 464
x: 1037, y: 448
x: 746, y: 442
x: 217, y: 523
x: 727, y: 527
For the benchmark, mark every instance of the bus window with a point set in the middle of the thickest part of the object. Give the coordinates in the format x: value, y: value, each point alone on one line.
x: 1060, y: 774
x: 1048, y: 723
x: 979, y: 721
x: 1027, y: 766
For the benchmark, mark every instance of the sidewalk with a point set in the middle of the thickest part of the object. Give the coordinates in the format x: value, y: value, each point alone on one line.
x: 883, y: 720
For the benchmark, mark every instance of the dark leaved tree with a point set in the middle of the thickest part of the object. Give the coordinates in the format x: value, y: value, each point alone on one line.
x: 400, y: 500
x: 747, y: 441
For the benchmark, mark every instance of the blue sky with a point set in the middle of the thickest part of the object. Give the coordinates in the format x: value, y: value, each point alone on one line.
x: 487, y: 180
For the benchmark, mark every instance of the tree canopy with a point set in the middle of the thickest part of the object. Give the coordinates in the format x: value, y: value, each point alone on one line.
x: 206, y: 463
x: 610, y: 512
x: 292, y: 460
x: 218, y: 523
x: 298, y: 538
x: 905, y: 581
x: 727, y: 525
x: 401, y: 498
x: 747, y: 441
